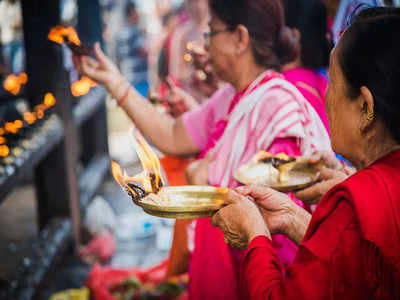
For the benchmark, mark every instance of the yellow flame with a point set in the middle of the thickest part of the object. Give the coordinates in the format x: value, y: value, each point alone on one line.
x: 261, y: 155
x: 49, y: 100
x: 10, y: 127
x: 4, y: 151
x: 2, y: 140
x: 30, y: 117
x: 151, y: 168
x: 13, y: 83
x: 82, y: 86
x: 187, y: 57
x: 58, y: 33
x: 18, y: 124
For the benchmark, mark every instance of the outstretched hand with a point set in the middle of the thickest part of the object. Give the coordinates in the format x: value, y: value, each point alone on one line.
x: 101, y: 69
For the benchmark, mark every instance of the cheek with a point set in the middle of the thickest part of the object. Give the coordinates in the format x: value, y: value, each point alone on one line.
x: 220, y: 59
x: 334, y: 111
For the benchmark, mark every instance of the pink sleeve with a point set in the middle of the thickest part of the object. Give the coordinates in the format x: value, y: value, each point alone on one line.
x: 200, y: 121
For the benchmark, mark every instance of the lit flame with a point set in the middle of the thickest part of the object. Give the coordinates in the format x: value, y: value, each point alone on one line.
x: 11, y: 128
x: 18, y: 124
x: 49, y: 100
x: 30, y: 117
x: 13, y: 83
x: 149, y: 179
x: 261, y: 155
x: 4, y: 151
x: 264, y: 155
x: 82, y: 86
x: 59, y: 33
x: 187, y: 57
x: 2, y: 140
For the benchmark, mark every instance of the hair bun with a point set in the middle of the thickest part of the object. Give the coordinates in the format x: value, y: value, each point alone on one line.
x: 287, y: 46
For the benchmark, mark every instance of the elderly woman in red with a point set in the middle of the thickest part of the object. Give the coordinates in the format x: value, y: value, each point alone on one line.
x: 350, y: 247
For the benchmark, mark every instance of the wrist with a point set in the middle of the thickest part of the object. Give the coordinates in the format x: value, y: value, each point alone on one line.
x: 296, y: 224
x: 117, y: 87
x: 259, y: 228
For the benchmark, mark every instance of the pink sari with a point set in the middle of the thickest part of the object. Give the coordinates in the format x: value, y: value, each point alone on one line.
x: 313, y: 87
x: 270, y: 114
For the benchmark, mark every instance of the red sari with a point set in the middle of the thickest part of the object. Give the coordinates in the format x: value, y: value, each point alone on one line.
x: 351, y: 249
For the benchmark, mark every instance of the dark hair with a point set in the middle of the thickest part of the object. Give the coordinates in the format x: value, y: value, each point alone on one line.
x: 271, y: 41
x: 369, y: 55
x: 129, y: 7
x: 309, y: 17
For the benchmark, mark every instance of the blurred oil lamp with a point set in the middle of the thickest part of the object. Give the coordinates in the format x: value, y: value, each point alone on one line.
x: 30, y: 117
x: 82, y: 86
x: 60, y: 34
x: 49, y: 100
x: 13, y: 83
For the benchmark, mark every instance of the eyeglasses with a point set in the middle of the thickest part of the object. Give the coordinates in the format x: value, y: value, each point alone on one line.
x: 208, y: 35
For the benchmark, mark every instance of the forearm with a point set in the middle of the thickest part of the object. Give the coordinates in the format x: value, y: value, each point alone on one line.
x: 164, y: 132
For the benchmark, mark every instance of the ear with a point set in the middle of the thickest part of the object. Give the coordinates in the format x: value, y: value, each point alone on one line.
x: 367, y: 108
x: 243, y: 39
x: 296, y: 34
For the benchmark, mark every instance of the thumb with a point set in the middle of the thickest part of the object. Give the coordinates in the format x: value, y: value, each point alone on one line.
x: 233, y: 197
x: 210, y: 155
x: 256, y: 191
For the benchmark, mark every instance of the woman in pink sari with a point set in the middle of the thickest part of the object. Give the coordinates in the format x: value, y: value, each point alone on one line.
x: 259, y: 110
x: 308, y: 22
x: 265, y: 112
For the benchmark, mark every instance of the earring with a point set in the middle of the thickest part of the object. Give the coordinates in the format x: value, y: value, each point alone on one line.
x: 370, y: 116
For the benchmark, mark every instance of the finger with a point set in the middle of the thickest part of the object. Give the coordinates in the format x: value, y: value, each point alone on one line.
x: 210, y: 155
x: 258, y: 191
x: 233, y: 197
x: 310, y: 194
x: 101, y: 57
x: 92, y: 62
x: 214, y: 219
x: 315, y: 157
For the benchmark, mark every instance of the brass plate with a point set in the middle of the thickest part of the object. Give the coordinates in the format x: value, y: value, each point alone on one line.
x: 300, y: 176
x: 186, y: 202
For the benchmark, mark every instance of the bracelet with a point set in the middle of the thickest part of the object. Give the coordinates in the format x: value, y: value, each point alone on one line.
x: 124, y: 96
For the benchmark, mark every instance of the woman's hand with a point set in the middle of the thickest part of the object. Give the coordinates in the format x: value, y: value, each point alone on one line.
x: 332, y: 172
x: 197, y: 171
x: 101, y: 70
x: 180, y: 101
x: 240, y: 220
x: 280, y: 213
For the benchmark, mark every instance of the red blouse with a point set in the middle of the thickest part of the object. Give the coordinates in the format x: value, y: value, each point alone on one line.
x: 351, y: 249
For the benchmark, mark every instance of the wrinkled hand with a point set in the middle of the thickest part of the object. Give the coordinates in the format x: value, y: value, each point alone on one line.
x: 240, y: 220
x: 102, y: 69
x: 280, y: 213
x: 197, y: 171
x: 275, y: 207
x: 331, y: 173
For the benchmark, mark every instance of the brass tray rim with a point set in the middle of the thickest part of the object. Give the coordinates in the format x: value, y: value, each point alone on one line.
x: 187, y: 208
x: 237, y: 174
